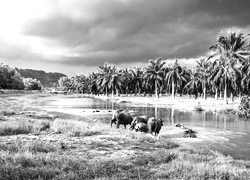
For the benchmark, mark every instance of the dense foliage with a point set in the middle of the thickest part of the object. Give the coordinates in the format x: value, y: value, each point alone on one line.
x: 11, y: 79
x: 244, y: 107
x: 47, y: 79
x: 32, y: 84
x: 225, y: 73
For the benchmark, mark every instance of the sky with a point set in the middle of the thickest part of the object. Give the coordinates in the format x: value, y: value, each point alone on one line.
x: 76, y: 36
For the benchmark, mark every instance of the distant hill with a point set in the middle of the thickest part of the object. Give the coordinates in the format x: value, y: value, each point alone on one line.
x: 47, y: 79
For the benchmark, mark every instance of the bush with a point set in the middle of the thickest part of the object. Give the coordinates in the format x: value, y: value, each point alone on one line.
x: 32, y: 84
x: 244, y: 107
x: 10, y: 78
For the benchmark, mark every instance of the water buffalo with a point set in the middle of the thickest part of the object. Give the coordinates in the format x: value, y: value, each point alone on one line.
x: 190, y: 133
x: 180, y: 126
x: 154, y: 125
x: 121, y: 117
x: 138, y: 119
x: 141, y: 127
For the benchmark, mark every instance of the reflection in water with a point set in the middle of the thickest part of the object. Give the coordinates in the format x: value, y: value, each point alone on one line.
x: 215, y: 121
x: 172, y: 116
x: 204, y: 118
x: 156, y: 111
x: 225, y: 122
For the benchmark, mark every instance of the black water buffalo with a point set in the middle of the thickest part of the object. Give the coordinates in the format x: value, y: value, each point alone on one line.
x: 141, y: 127
x: 190, y: 133
x: 121, y: 117
x: 154, y: 125
x: 138, y: 119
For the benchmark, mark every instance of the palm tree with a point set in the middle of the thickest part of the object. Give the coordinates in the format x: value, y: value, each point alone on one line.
x: 228, y: 50
x: 175, y: 77
x: 245, y: 81
x: 104, y: 75
x: 136, y: 79
x: 203, y: 68
x: 91, y: 83
x: 126, y: 76
x: 154, y: 73
x: 115, y: 83
x: 245, y: 70
x: 109, y: 78
x: 79, y: 83
x: 194, y: 84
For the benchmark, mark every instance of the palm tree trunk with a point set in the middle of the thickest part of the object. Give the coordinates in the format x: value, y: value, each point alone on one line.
x: 139, y: 89
x: 216, y: 93
x: 225, y: 93
x: 204, y: 91
x: 112, y: 90
x: 232, y: 97
x: 107, y: 91
x: 117, y: 92
x: 156, y: 90
x: 173, y: 95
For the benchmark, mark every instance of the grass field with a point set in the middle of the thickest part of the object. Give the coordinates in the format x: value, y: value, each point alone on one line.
x: 35, y: 144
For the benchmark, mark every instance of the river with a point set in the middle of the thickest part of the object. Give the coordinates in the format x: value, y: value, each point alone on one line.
x: 233, y: 132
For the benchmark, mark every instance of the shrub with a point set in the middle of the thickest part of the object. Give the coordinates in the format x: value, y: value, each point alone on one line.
x: 32, y: 84
x: 244, y: 107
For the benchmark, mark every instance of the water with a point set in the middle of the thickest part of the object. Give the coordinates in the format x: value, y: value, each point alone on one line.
x: 225, y: 133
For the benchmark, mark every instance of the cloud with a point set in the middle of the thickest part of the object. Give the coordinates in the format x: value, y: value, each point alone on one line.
x: 88, y: 33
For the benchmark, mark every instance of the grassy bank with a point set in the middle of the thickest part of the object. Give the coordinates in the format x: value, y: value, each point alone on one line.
x: 35, y: 144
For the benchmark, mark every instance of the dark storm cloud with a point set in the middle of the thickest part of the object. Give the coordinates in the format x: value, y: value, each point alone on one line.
x: 135, y: 31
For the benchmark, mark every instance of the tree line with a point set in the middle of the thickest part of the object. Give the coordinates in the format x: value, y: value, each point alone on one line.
x: 10, y: 78
x: 226, y: 72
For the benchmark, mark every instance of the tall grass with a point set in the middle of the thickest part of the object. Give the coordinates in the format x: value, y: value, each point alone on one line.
x: 13, y: 128
x: 78, y: 128
x: 23, y: 127
x: 34, y: 147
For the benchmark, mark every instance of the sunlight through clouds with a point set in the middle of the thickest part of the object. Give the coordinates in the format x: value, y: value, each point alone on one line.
x: 84, y: 33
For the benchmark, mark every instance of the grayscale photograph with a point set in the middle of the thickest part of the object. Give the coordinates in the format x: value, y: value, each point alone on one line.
x: 124, y: 89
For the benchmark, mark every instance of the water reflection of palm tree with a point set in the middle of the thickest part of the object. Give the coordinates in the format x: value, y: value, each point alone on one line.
x: 216, y: 119
x: 172, y: 116
x: 225, y: 122
x: 106, y: 104
x: 112, y: 104
x: 156, y: 111
x: 204, y: 118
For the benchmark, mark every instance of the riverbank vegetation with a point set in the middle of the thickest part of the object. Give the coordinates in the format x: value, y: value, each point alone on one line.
x: 10, y: 78
x: 224, y: 73
x: 36, y: 144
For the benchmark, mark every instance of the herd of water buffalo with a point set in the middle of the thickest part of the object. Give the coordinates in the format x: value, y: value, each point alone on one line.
x: 144, y: 124
x: 138, y: 123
